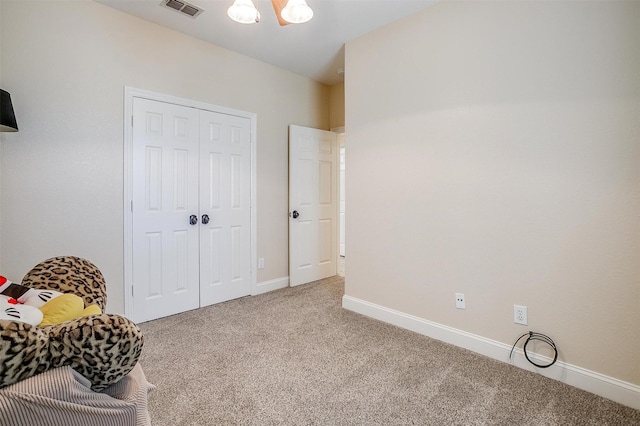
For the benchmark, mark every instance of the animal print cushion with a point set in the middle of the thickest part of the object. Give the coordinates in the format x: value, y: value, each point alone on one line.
x: 69, y: 274
x: 103, y: 348
x: 24, y: 351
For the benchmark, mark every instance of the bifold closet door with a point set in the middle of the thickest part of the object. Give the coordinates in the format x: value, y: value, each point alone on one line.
x: 165, y: 196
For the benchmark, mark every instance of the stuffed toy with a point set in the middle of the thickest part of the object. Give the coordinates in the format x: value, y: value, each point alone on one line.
x: 69, y: 293
x: 12, y: 310
x: 40, y: 307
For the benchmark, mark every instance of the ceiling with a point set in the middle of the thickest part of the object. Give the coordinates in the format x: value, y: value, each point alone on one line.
x: 314, y: 49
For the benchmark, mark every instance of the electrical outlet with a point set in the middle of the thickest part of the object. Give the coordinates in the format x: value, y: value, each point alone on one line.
x: 460, y: 301
x: 261, y: 263
x: 520, y: 314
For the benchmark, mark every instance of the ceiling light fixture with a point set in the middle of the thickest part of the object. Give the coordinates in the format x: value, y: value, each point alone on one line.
x: 297, y: 12
x: 244, y: 12
x: 287, y: 11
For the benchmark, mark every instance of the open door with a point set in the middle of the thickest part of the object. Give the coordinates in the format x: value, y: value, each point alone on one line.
x: 313, y: 204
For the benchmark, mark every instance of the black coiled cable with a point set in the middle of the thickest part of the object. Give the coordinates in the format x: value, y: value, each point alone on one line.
x: 536, y: 336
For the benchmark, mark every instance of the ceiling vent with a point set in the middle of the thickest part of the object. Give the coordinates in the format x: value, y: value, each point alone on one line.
x: 183, y: 7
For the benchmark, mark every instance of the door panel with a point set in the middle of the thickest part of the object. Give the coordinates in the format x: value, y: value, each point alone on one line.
x: 225, y: 196
x: 165, y: 245
x: 313, y: 159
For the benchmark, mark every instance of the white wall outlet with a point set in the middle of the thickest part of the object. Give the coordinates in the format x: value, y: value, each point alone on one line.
x: 460, y: 301
x: 261, y: 263
x: 520, y: 314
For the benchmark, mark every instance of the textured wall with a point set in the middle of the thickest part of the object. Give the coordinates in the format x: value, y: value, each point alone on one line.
x: 497, y: 154
x: 67, y: 63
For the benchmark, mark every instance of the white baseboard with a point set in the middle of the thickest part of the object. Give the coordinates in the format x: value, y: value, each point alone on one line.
x: 608, y: 387
x: 270, y: 285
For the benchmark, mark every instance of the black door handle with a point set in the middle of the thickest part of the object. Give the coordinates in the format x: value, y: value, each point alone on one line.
x: 193, y: 219
x: 295, y: 214
x: 205, y: 219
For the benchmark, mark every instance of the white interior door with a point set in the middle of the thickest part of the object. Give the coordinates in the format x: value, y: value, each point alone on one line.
x: 313, y: 204
x: 191, y: 237
x: 165, y: 244
x: 225, y: 207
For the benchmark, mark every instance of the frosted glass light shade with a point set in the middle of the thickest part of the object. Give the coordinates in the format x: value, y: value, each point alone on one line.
x: 244, y: 12
x: 297, y: 12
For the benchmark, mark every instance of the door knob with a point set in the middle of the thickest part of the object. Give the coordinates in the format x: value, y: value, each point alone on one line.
x: 295, y: 214
x: 205, y: 219
x: 193, y: 219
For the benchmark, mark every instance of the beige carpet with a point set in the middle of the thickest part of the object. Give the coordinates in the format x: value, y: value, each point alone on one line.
x: 295, y: 357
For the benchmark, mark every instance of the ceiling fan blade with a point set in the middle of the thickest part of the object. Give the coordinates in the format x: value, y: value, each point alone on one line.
x: 278, y: 5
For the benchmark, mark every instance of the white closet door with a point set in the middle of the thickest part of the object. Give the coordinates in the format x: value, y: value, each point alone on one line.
x: 165, y: 195
x: 225, y: 204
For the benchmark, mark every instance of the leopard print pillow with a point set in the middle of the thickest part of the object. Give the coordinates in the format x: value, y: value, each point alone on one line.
x: 24, y: 351
x: 69, y: 274
x: 103, y: 348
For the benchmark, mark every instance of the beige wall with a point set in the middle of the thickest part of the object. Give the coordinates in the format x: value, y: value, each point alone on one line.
x: 498, y: 155
x: 66, y: 63
x: 336, y: 106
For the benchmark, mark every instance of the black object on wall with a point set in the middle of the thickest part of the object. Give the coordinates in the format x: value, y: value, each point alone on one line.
x: 7, y: 117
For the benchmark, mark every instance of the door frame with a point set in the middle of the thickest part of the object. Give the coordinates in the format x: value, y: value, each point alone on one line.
x: 341, y: 143
x: 129, y: 94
